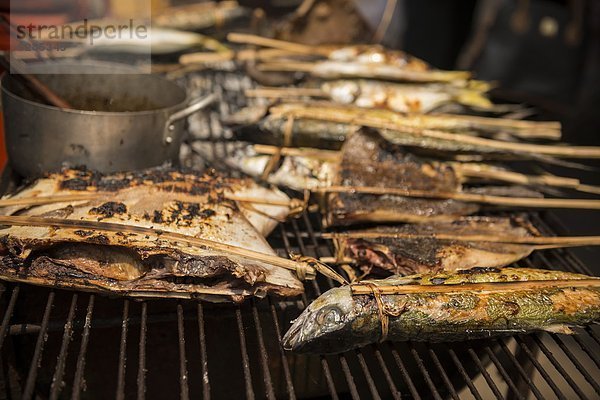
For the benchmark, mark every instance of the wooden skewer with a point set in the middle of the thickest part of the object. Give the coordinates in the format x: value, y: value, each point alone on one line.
x: 495, y: 287
x: 34, y: 201
x: 291, y: 265
x: 242, y: 55
x: 468, y: 197
x: 362, y: 118
x: 525, y: 240
x: 284, y: 92
x: 332, y: 155
x: 255, y: 200
x: 276, y: 44
x: 486, y: 172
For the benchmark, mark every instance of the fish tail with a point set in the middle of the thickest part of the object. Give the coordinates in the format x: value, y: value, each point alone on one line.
x: 560, y: 328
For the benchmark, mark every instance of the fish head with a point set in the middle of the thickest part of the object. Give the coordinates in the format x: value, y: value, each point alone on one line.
x: 327, y: 325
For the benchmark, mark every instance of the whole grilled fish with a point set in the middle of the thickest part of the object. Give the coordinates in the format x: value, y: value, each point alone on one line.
x: 468, y: 304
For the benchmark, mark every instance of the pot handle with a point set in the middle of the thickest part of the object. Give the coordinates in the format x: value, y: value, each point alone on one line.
x: 194, y: 106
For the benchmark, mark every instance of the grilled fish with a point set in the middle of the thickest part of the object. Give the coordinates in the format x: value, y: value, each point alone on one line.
x: 467, y: 304
x: 367, y: 160
x: 406, y: 98
x: 195, y: 17
x: 141, y: 263
x: 298, y: 172
x: 406, y: 256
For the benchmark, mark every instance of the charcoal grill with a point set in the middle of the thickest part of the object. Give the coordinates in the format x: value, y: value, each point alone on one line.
x: 60, y: 344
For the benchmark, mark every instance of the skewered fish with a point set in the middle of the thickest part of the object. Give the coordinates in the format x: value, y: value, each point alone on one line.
x: 390, y: 126
x: 368, y: 161
x: 195, y: 17
x: 405, y: 97
x: 298, y: 168
x: 386, y: 254
x: 467, y: 304
x: 310, y: 128
x: 142, y: 258
x: 363, y: 61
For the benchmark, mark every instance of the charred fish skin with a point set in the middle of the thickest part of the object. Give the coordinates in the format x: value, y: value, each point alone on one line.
x: 138, y: 260
x: 403, y: 256
x: 339, y: 321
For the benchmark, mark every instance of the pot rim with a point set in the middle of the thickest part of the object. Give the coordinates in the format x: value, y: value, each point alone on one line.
x: 169, y: 110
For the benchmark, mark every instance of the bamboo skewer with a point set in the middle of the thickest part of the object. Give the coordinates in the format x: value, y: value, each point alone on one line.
x: 566, y: 241
x: 274, y: 92
x: 468, y: 170
x: 468, y: 197
x: 242, y: 55
x: 331, y: 155
x: 492, y: 287
x: 302, y: 268
x: 277, y: 44
x: 35, y: 201
x: 362, y: 118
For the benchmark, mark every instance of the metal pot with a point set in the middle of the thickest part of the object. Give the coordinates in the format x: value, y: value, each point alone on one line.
x: 119, y: 121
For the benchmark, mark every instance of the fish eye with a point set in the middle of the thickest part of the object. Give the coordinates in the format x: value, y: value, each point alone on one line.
x: 329, y: 316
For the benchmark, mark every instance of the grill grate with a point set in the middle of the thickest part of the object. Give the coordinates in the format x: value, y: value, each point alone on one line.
x: 61, y: 344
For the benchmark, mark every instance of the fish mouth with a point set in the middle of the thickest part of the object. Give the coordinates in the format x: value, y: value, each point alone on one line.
x: 293, y: 339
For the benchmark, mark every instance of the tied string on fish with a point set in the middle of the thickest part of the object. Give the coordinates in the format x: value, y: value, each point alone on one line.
x: 384, y: 311
x: 318, y: 266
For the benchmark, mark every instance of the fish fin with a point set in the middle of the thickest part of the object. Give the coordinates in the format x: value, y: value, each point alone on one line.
x: 474, y: 98
x: 560, y: 328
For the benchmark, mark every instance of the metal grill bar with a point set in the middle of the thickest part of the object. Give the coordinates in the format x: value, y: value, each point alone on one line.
x: 525, y: 348
x: 183, y: 373
x: 485, y: 374
x: 524, y: 376
x: 244, y: 351
x: 576, y: 363
x: 8, y: 313
x: 370, y: 381
x: 463, y: 373
x: 264, y: 357
x: 57, y: 379
x: 386, y: 373
x: 141, y: 376
x: 511, y: 385
x: 284, y: 361
x: 558, y: 367
x: 121, y: 368
x: 585, y: 347
x: 440, y: 368
x: 424, y: 372
x: 407, y: 379
x: 39, y: 348
x: 203, y: 357
x: 80, y: 367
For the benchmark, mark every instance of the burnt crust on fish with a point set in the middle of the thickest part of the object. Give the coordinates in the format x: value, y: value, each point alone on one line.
x: 139, y: 264
x: 400, y: 256
x: 369, y: 160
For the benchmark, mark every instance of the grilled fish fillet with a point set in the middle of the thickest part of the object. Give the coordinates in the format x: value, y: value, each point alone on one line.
x: 402, y: 256
x: 139, y: 264
x: 368, y: 160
